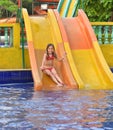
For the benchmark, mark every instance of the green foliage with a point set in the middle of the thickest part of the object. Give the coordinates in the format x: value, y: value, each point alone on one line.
x: 10, y: 7
x: 7, y: 7
x: 98, y: 10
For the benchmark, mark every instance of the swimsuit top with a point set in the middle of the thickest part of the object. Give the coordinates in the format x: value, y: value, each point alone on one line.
x: 50, y: 58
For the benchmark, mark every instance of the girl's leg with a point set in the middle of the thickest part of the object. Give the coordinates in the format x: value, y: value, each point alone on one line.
x: 56, y: 76
x: 48, y: 72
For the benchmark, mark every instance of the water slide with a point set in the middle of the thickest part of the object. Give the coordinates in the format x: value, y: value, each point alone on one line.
x: 40, y: 31
x: 67, y: 8
x: 84, y: 54
x: 84, y: 67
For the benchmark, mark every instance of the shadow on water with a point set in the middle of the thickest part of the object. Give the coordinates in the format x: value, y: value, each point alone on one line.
x: 22, y: 108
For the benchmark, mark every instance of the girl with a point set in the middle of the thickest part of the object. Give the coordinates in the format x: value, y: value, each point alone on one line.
x: 48, y: 64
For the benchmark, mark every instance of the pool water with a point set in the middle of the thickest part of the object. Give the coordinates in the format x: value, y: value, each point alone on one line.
x: 23, y: 109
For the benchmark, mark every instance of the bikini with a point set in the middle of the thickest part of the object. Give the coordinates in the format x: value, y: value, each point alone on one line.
x: 49, y: 58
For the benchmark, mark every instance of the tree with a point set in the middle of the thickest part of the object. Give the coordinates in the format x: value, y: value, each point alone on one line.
x: 7, y: 8
x: 98, y: 10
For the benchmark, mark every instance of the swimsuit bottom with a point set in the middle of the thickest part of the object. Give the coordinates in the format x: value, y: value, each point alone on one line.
x: 47, y: 69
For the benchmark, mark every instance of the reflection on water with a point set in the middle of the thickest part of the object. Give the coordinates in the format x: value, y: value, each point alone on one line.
x: 22, y: 108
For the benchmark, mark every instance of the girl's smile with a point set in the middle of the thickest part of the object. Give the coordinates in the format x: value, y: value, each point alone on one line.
x: 50, y: 49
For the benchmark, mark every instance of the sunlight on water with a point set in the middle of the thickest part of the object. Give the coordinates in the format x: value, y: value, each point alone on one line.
x: 22, y: 108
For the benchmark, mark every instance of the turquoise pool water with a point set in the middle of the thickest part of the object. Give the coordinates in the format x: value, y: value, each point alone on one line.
x: 23, y: 109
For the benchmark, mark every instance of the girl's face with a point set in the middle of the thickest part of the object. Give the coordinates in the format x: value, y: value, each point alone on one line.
x: 50, y: 49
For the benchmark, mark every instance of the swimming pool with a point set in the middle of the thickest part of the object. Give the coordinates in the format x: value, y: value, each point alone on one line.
x: 23, y: 109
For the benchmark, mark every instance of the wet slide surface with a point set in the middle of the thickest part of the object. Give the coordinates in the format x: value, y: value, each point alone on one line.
x: 83, y: 56
x: 45, y: 30
x: 87, y: 57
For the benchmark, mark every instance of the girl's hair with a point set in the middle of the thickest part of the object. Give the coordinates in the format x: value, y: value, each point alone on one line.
x: 53, y: 53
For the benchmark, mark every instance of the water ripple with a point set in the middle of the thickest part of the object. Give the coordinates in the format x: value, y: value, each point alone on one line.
x: 62, y: 110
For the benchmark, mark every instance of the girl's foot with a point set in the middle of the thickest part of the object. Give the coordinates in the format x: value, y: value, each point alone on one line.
x: 63, y: 84
x: 59, y: 85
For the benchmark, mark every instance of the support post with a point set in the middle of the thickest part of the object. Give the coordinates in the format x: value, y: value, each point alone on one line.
x: 22, y: 32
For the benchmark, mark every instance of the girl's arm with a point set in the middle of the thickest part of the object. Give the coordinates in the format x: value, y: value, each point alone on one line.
x: 43, y: 62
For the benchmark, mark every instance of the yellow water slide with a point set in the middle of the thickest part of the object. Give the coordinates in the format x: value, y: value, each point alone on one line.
x: 85, y: 56
x: 41, y: 31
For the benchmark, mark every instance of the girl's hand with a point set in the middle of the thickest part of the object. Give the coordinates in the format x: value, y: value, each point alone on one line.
x: 41, y: 67
x: 65, y: 54
x: 62, y: 59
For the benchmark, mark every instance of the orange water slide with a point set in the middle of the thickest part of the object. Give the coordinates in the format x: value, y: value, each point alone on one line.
x: 86, y: 60
x: 41, y: 31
